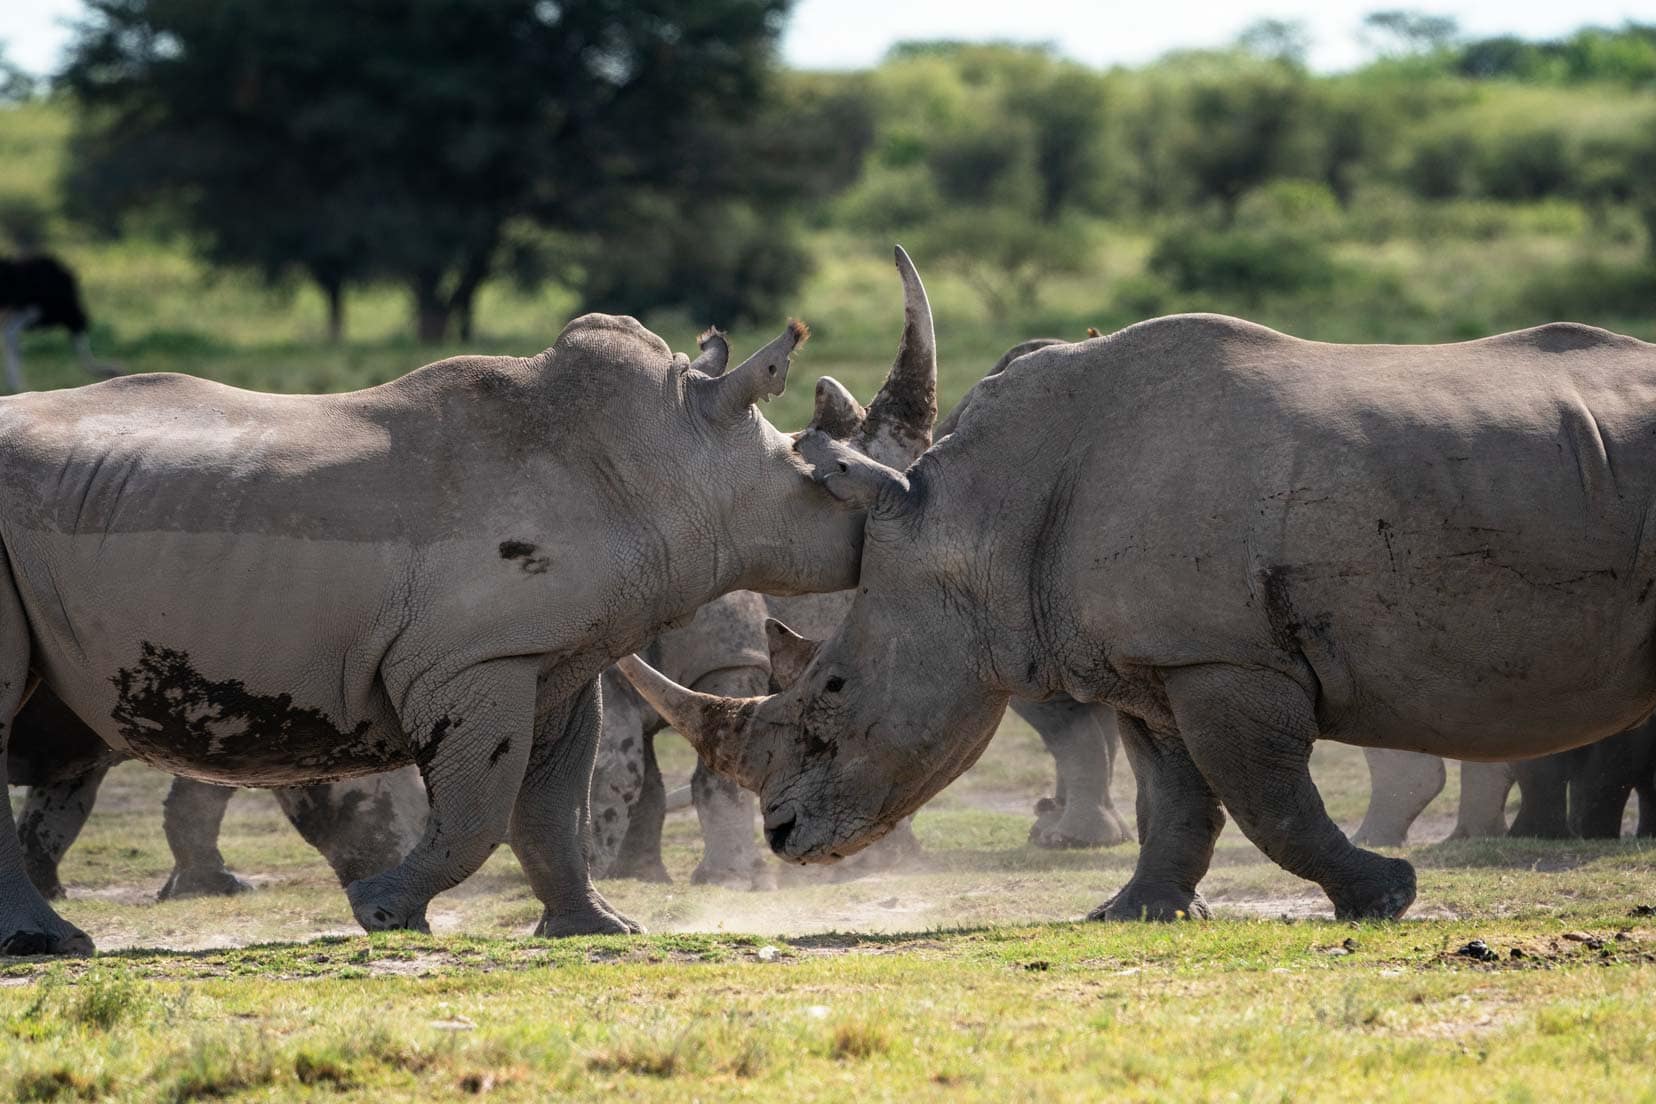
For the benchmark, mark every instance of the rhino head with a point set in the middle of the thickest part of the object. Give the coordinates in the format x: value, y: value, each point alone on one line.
x: 873, y: 723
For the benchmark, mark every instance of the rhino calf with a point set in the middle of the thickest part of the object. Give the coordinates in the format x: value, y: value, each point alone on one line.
x: 1243, y: 542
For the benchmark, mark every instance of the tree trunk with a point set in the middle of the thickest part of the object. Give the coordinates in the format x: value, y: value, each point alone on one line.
x: 431, y: 310
x: 335, y: 291
x: 464, y: 295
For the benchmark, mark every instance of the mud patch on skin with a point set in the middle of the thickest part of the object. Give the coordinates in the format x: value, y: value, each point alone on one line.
x: 524, y: 554
x: 175, y: 719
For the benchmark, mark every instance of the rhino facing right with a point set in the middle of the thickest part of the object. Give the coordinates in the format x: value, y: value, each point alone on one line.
x: 1244, y: 542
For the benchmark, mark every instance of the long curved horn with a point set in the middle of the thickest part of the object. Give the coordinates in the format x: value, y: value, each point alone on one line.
x: 907, y: 401
x: 760, y: 376
x: 716, y: 727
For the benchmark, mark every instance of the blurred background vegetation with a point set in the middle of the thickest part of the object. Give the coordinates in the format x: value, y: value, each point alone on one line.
x: 309, y: 196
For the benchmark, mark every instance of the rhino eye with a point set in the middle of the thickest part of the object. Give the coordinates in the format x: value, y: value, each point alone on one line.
x: 834, y: 685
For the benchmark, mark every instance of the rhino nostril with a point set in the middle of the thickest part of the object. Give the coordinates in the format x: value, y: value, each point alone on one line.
x: 776, y: 835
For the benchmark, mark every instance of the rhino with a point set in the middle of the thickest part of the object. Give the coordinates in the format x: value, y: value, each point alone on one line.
x: 278, y: 590
x: 721, y: 650
x: 361, y: 826
x: 1243, y: 542
x: 1403, y: 783
x: 1580, y: 794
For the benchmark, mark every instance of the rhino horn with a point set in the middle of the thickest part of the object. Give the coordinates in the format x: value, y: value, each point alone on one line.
x: 790, y: 653
x: 908, y: 398
x: 716, y: 727
x: 760, y: 376
x: 837, y: 413
x: 715, y: 352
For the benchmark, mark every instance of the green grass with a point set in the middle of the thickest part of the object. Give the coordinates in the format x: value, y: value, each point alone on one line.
x: 966, y: 977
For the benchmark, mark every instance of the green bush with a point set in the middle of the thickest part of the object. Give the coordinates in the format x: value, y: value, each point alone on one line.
x: 1246, y: 262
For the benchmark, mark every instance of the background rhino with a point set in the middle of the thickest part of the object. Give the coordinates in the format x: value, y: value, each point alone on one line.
x: 361, y: 825
x: 276, y: 590
x: 1581, y: 793
x: 1244, y: 542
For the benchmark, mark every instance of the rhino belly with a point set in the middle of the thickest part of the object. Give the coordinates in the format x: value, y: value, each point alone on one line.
x: 234, y: 661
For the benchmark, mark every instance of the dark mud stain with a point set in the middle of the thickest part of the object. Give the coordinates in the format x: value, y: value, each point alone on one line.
x: 223, y: 732
x: 501, y: 748
x: 524, y: 553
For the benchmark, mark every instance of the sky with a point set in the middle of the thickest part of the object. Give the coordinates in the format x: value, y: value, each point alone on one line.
x: 848, y: 34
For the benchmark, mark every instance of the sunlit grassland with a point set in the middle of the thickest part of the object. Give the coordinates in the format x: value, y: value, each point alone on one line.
x: 963, y: 977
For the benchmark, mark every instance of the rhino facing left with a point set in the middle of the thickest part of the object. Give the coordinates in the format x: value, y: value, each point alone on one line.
x: 275, y: 590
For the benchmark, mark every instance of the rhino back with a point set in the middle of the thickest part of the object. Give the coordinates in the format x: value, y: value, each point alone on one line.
x: 1418, y: 531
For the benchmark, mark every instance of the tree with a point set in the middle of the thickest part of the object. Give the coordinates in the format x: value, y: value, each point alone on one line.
x: 361, y: 139
x: 1400, y: 32
x: 1283, y: 40
x: 16, y: 85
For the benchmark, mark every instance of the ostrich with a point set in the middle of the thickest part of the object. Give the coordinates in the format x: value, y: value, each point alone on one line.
x: 41, y: 291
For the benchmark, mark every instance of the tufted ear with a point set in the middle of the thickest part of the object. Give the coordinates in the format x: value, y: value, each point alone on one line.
x: 765, y: 373
x: 850, y: 476
x: 1092, y: 331
x: 715, y: 352
x: 790, y: 653
x: 837, y: 413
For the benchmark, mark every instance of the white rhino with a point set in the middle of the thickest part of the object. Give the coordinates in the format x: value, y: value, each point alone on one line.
x: 1244, y: 542
x: 276, y: 590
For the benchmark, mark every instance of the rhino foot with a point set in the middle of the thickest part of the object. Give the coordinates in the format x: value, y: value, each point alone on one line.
x: 42, y: 932
x: 1152, y: 903
x: 590, y: 920
x: 202, y: 882
x: 1384, y: 892
x: 1078, y: 826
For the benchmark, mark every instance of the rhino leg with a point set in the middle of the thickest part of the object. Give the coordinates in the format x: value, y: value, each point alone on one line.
x: 27, y: 923
x: 1401, y: 784
x: 640, y: 854
x: 1543, y: 797
x: 618, y: 775
x: 1601, y: 780
x: 549, y: 822
x: 1081, y: 739
x: 1483, y: 798
x: 361, y: 826
x: 53, y: 816
x: 472, y: 743
x: 191, y: 817
x: 1250, y: 733
x: 1178, y: 821
x: 727, y: 813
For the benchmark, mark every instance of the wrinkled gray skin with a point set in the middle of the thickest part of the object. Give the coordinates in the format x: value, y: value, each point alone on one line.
x: 720, y: 651
x: 361, y: 826
x: 1580, y: 793
x: 1244, y: 542
x: 278, y: 590
x: 1403, y: 783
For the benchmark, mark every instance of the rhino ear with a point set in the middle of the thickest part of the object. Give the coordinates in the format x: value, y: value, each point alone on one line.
x: 906, y: 406
x: 850, y: 476
x: 765, y: 373
x: 1092, y: 331
x: 837, y: 413
x: 790, y: 653
x: 715, y: 352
